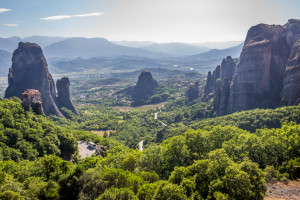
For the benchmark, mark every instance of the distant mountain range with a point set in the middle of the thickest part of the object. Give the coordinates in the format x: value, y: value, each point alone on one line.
x: 234, y: 52
x: 5, y: 62
x: 116, y: 63
x: 177, y: 49
x: 80, y: 54
x: 94, y: 47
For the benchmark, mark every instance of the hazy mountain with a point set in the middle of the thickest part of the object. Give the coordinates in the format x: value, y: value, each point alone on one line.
x: 177, y: 49
x: 94, y: 47
x: 5, y: 62
x: 116, y: 63
x: 157, y: 73
x: 219, y: 45
x: 9, y: 44
x: 214, y: 54
x: 136, y: 44
x: 43, y: 41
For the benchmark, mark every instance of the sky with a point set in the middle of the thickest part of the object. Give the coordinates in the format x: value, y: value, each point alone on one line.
x: 188, y: 21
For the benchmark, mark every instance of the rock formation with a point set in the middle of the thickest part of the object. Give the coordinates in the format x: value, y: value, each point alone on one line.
x: 227, y: 69
x: 193, y: 91
x: 224, y: 97
x: 210, y: 83
x: 217, y: 85
x: 64, y: 96
x: 144, y: 87
x: 291, y: 84
x: 267, y: 74
x: 259, y: 73
x: 29, y: 70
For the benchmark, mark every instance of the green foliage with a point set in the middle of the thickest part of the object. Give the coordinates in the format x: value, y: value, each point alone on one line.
x: 120, y: 194
x: 10, y: 195
x: 252, y: 120
x: 25, y: 136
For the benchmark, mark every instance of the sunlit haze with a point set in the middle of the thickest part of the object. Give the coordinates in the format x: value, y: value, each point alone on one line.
x: 191, y: 21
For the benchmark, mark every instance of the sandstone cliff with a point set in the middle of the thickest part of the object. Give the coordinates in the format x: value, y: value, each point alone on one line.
x: 64, y: 96
x: 144, y: 87
x: 218, y: 85
x: 259, y: 74
x: 267, y: 74
x: 291, y: 85
x: 29, y: 70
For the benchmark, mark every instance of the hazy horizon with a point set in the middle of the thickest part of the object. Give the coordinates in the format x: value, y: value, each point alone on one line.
x: 192, y: 21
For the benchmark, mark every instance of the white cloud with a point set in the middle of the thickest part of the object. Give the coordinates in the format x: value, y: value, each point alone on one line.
x: 11, y: 25
x: 2, y: 10
x: 59, y: 17
x: 89, y: 15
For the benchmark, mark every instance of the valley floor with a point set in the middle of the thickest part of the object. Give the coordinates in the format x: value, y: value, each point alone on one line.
x: 282, y: 191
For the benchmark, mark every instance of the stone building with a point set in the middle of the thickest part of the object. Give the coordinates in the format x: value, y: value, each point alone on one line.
x: 32, y: 100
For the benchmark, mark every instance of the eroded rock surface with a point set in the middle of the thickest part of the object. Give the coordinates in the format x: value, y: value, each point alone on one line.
x: 64, y: 96
x: 145, y: 86
x: 291, y: 85
x: 29, y: 70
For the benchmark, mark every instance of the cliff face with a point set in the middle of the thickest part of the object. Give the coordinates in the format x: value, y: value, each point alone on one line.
x: 227, y: 69
x: 211, y: 83
x: 218, y: 85
x: 291, y: 85
x: 267, y: 74
x: 64, y: 96
x: 193, y: 91
x: 291, y: 89
x: 29, y: 70
x: 145, y: 86
x: 259, y: 74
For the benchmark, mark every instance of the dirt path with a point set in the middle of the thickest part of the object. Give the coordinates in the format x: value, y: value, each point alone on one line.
x: 155, y: 117
x: 282, y: 191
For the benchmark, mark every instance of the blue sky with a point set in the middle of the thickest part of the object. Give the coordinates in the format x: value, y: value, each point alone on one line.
x: 189, y: 21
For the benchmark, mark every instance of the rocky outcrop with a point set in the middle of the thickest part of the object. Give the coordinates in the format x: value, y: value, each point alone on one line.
x: 224, y: 97
x: 218, y: 85
x: 144, y: 87
x: 267, y: 74
x: 210, y: 83
x: 291, y: 84
x: 258, y: 77
x: 29, y: 70
x: 64, y: 96
x: 292, y: 31
x: 193, y: 91
x: 227, y: 69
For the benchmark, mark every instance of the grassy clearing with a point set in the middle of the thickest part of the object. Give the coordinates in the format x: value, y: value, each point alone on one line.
x: 138, y: 108
x: 101, y: 133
